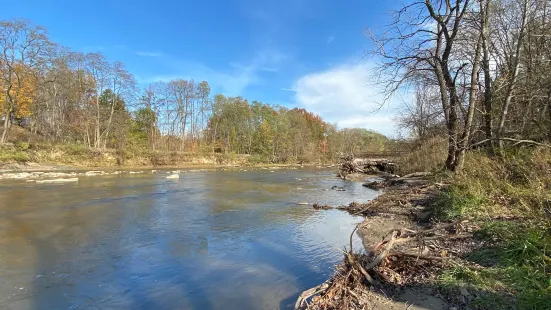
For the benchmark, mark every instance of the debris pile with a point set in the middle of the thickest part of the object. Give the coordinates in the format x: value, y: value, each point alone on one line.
x: 402, y: 257
x: 349, y: 165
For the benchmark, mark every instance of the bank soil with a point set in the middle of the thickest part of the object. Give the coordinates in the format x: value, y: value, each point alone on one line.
x: 404, y: 250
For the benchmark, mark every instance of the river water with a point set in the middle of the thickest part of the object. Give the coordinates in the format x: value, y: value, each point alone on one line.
x: 209, y: 240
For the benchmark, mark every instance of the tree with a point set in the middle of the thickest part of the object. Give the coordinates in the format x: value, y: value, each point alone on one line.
x: 24, y: 49
x: 143, y: 126
x: 98, y: 68
x: 123, y: 84
x: 422, y: 46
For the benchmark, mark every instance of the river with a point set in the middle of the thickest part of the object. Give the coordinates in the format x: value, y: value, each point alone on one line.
x: 210, y: 240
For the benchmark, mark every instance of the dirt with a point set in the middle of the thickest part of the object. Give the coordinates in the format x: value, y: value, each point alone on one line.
x: 410, y: 299
x: 371, y: 231
x: 403, y: 206
x: 9, y: 167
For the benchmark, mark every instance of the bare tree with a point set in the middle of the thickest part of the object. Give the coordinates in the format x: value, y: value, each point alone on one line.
x: 122, y: 86
x: 423, y: 39
x: 99, y: 70
x: 514, y: 56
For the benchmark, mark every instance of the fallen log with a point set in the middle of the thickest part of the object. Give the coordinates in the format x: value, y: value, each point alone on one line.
x: 349, y: 165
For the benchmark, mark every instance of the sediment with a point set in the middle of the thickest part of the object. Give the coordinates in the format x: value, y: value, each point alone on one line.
x: 404, y: 249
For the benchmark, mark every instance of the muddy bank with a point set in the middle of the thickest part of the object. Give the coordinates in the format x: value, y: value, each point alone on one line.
x: 404, y: 250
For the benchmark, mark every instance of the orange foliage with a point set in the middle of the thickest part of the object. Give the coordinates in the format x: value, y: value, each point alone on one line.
x: 21, y: 93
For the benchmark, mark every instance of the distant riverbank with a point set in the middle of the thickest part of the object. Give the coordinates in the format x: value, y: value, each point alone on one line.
x: 74, y: 157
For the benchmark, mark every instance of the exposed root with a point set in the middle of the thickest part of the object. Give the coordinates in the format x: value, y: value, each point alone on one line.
x: 401, y: 257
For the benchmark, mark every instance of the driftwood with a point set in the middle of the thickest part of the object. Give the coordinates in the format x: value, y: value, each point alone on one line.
x: 411, y: 180
x: 349, y: 165
x: 360, y: 270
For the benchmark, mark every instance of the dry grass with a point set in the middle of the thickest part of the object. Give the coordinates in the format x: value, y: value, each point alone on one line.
x: 511, y: 199
x: 424, y: 155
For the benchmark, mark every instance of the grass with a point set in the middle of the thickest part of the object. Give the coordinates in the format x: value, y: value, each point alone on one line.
x: 10, y: 153
x: 424, y: 155
x: 78, y: 155
x: 510, y: 200
x: 455, y: 202
x: 515, y: 273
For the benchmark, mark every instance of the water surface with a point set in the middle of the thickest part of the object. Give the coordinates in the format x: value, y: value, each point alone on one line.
x: 210, y: 240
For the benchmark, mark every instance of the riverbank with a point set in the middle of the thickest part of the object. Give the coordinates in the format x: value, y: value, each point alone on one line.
x: 73, y: 157
x: 47, y: 157
x: 475, y: 240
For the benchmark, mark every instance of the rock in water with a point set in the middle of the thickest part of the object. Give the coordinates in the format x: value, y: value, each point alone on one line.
x: 173, y: 176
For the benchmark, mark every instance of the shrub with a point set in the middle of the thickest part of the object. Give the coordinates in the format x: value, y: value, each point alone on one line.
x: 75, y: 149
x: 10, y: 154
x: 511, y: 198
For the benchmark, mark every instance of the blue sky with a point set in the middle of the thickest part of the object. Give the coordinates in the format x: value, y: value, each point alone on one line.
x: 305, y: 53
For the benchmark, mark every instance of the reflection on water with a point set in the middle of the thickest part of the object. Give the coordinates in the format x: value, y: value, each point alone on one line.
x: 210, y: 240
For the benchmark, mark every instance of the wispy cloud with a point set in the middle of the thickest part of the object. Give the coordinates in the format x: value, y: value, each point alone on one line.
x: 342, y: 95
x: 330, y: 39
x: 149, y: 54
x: 232, y: 81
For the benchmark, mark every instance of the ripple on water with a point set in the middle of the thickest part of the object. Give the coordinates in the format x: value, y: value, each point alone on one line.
x: 217, y: 240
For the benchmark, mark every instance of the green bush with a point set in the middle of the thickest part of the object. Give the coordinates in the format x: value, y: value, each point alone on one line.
x: 23, y: 146
x: 11, y: 154
x: 75, y: 149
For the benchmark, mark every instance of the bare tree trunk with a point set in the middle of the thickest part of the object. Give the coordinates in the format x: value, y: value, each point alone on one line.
x: 7, y: 124
x: 185, y: 125
x: 7, y: 115
x: 488, y: 92
x: 445, y: 105
x: 463, y: 143
x: 110, y: 121
x: 512, y: 82
x: 97, y: 141
x: 549, y: 113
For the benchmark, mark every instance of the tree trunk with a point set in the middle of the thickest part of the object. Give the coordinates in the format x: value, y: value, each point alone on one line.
x: 488, y: 93
x: 549, y: 113
x: 98, y: 134
x: 463, y: 143
x: 109, y: 122
x: 7, y: 124
x: 512, y: 82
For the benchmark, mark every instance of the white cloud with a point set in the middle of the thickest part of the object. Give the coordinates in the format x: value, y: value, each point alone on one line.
x: 149, y: 54
x: 330, y: 39
x: 232, y: 81
x: 342, y: 95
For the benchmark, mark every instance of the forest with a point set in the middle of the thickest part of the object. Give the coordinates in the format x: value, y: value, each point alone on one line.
x: 52, y: 95
x: 479, y: 72
x: 480, y: 117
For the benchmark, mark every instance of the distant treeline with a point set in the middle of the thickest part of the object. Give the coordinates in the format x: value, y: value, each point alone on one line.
x: 68, y: 97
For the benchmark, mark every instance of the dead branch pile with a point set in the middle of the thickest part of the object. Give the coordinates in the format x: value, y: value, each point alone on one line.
x: 348, y: 165
x: 411, y: 180
x: 402, y: 257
